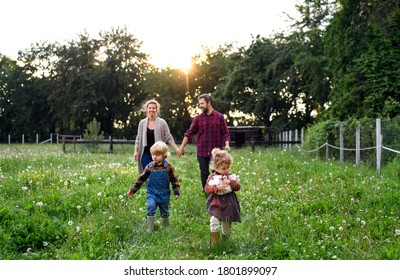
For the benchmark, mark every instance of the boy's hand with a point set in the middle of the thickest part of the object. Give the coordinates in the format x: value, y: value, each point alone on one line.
x: 176, y: 196
x: 129, y: 194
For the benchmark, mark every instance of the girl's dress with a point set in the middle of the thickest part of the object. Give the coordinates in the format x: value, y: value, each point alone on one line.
x: 223, y: 205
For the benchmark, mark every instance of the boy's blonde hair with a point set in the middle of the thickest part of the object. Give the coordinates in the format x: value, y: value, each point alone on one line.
x: 151, y: 101
x: 219, y: 157
x: 160, y: 148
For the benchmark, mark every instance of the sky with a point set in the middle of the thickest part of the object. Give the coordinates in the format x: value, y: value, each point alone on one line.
x: 171, y: 31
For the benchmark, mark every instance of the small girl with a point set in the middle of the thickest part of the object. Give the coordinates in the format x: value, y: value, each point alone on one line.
x: 159, y: 174
x: 222, y: 202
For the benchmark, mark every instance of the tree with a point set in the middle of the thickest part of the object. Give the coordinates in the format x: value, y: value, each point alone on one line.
x: 362, y: 43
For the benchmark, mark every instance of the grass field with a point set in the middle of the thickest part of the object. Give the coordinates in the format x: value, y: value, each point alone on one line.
x: 74, y: 206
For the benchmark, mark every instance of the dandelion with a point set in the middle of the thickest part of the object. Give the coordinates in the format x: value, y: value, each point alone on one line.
x: 120, y: 196
x: 45, y: 244
x: 70, y: 223
x: 331, y: 228
x: 363, y: 223
x: 340, y: 228
x: 397, y: 231
x: 78, y: 207
x: 66, y: 183
x: 99, y: 194
x: 24, y: 188
x: 77, y: 229
x: 40, y: 204
x: 358, y: 219
x: 111, y: 217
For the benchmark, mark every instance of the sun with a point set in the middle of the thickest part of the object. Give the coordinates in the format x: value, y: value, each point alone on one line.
x: 176, y: 60
x: 181, y: 63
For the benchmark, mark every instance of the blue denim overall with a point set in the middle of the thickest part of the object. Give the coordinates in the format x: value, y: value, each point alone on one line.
x: 158, y: 192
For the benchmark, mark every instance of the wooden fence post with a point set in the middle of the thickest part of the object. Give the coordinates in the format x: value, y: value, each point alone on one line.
x: 341, y: 142
x: 358, y: 143
x: 111, y: 144
x: 326, y: 150
x: 378, y: 146
x: 63, y: 143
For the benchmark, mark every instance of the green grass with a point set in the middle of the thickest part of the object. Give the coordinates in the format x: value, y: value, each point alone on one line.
x: 74, y: 206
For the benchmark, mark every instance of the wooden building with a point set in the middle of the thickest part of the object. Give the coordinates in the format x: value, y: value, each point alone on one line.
x: 246, y: 135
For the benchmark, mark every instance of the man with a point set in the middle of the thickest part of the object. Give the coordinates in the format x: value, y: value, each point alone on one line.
x: 211, y: 132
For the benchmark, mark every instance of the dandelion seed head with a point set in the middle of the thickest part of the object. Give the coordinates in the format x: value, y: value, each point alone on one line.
x: 70, y: 223
x: 99, y: 194
x: 397, y: 231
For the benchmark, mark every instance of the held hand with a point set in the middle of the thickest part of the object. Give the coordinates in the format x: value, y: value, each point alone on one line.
x: 136, y: 156
x: 180, y: 152
x: 176, y: 197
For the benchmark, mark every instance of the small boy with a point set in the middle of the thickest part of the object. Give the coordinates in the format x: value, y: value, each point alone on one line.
x: 158, y: 174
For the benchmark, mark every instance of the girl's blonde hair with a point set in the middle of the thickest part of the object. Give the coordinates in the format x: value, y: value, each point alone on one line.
x: 146, y: 105
x: 219, y: 157
x: 160, y: 148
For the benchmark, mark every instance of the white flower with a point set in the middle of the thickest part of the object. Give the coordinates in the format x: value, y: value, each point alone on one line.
x: 99, y: 194
x: 397, y: 231
x: 40, y: 204
x: 120, y: 196
x: 340, y: 228
x: 24, y: 188
x: 79, y: 207
x: 45, y: 244
x: 70, y: 223
x: 111, y: 217
x: 77, y: 229
x: 331, y: 228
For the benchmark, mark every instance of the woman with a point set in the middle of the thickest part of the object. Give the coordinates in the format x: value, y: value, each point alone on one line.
x: 151, y: 129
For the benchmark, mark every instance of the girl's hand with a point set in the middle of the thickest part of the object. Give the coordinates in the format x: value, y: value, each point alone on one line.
x: 220, y: 188
x: 226, y: 182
